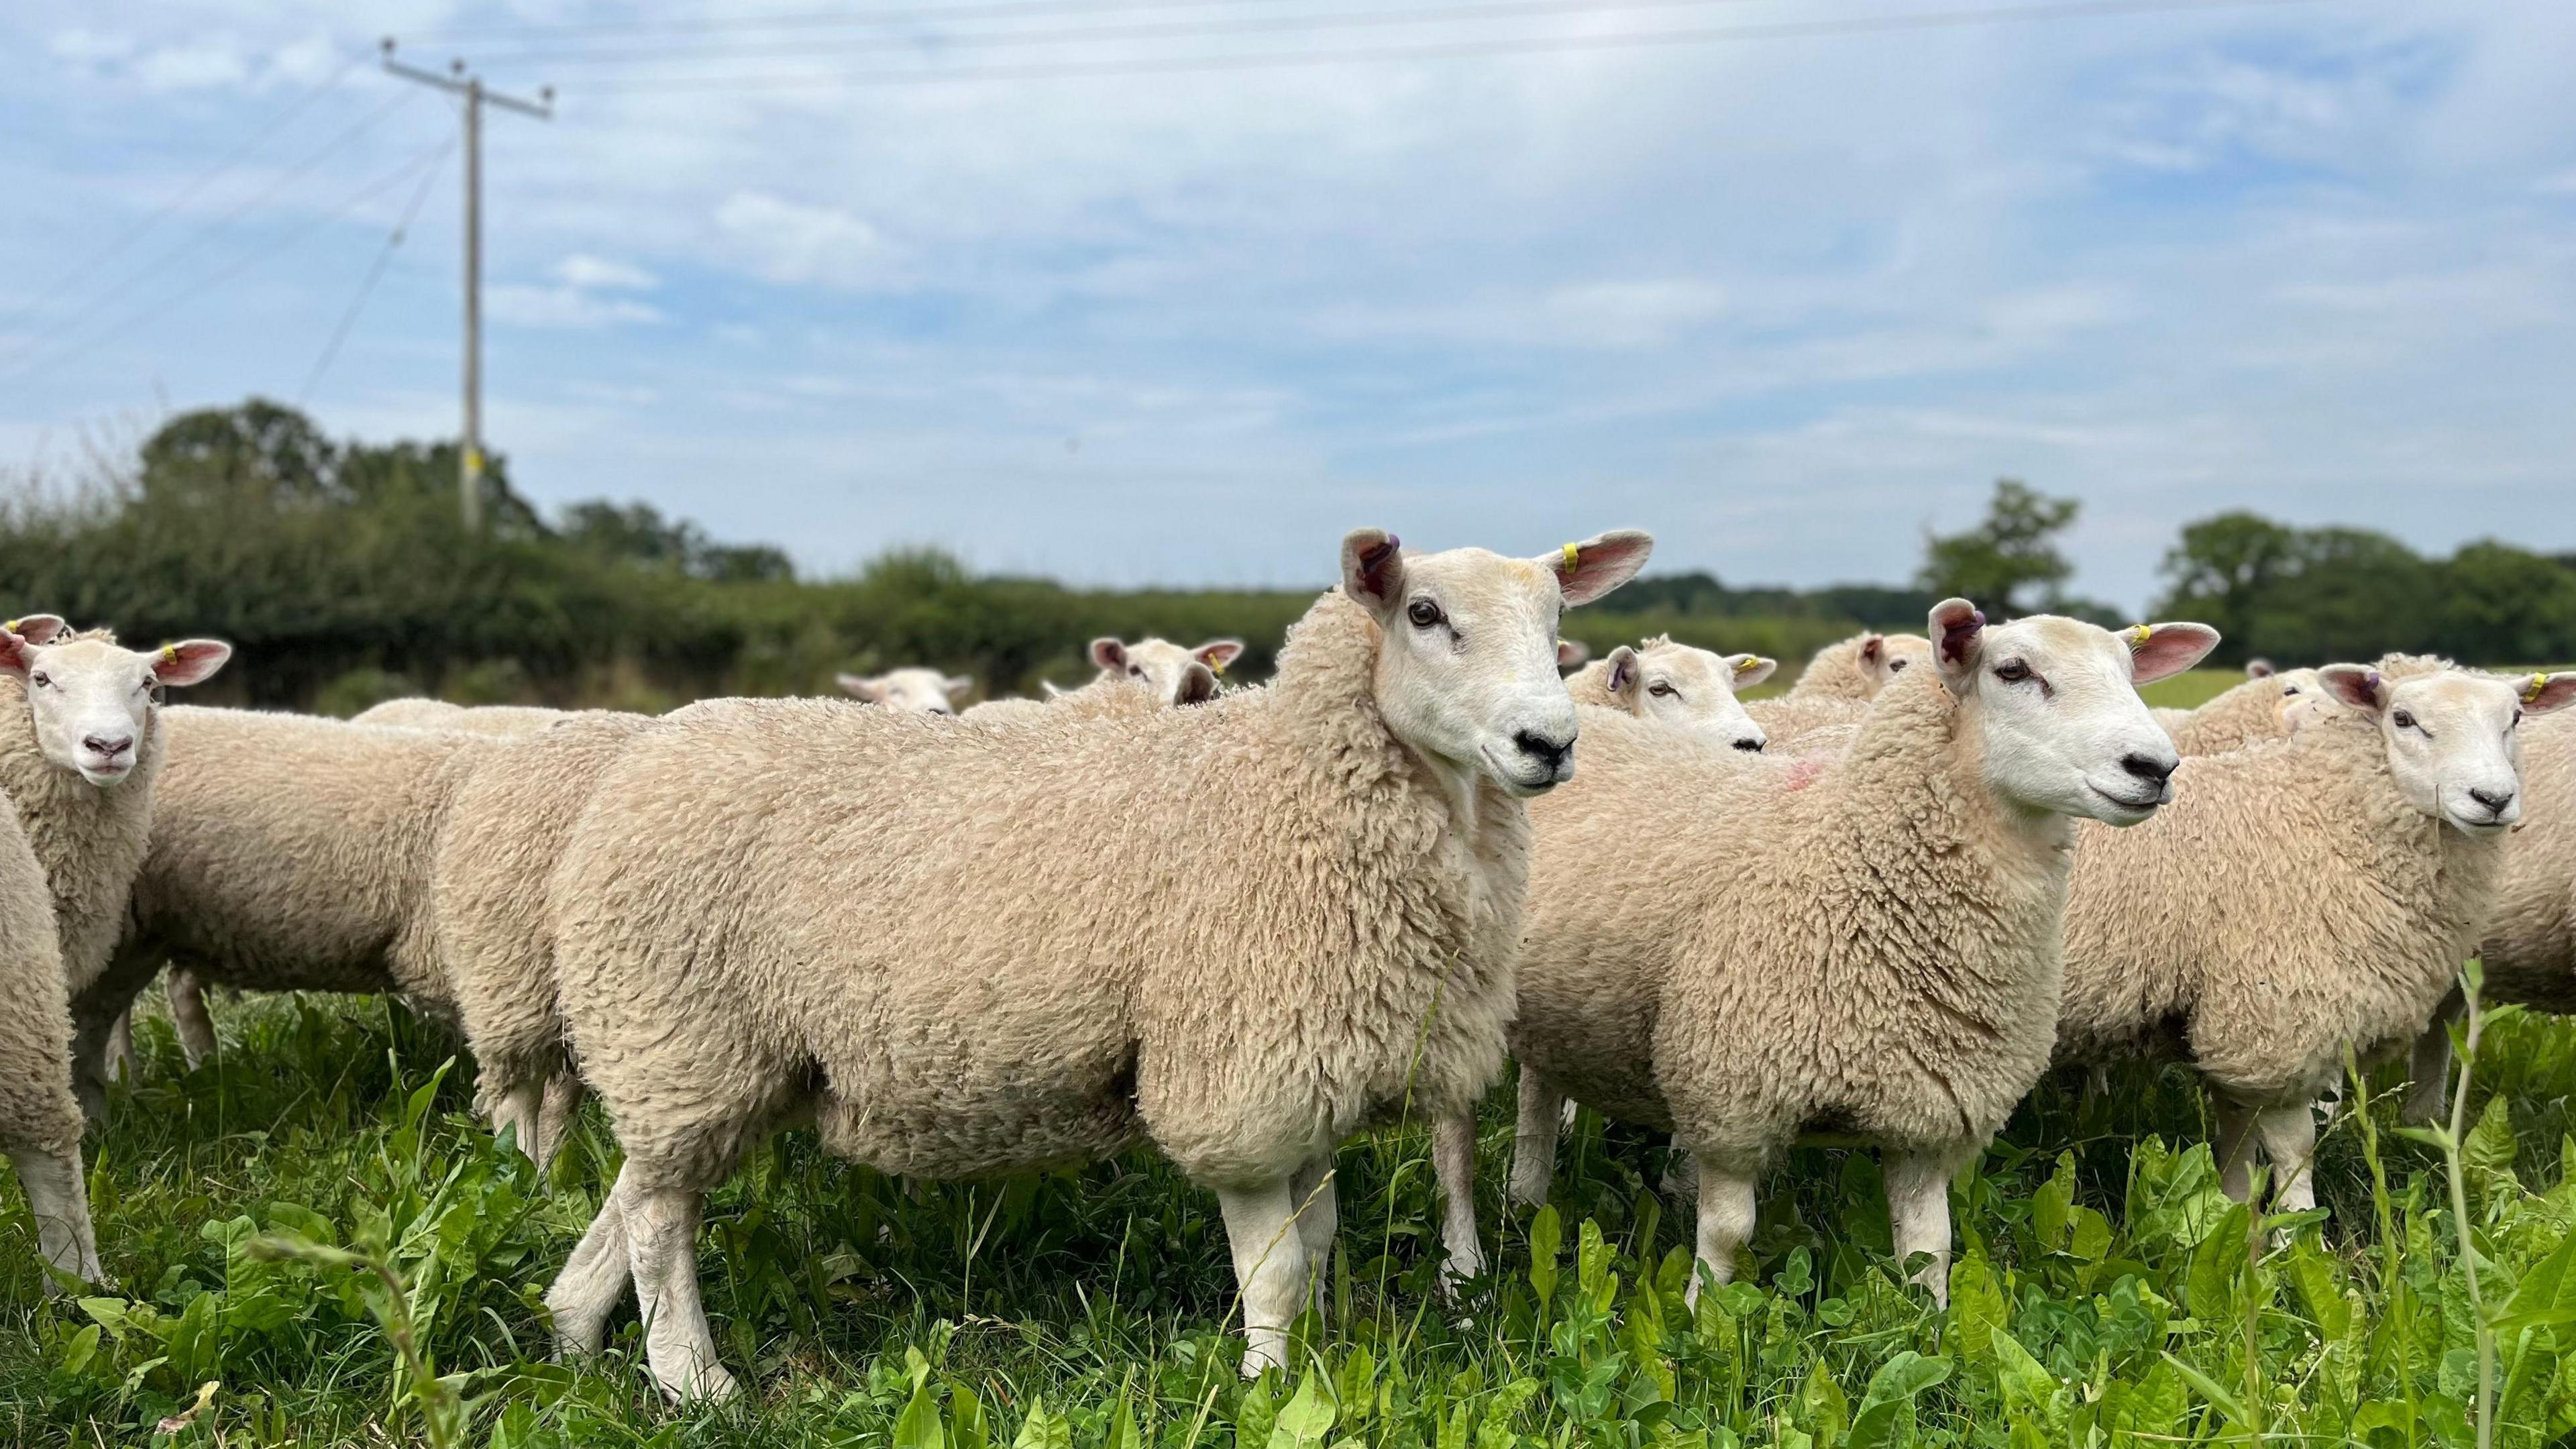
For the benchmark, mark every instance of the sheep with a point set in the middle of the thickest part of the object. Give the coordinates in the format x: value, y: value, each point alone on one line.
x: 1680, y: 686
x: 1838, y: 683
x: 2308, y: 895
x: 504, y: 829
x: 316, y: 883
x: 40, y: 1122
x: 1571, y: 653
x: 1727, y: 947
x: 920, y: 936
x: 80, y: 751
x: 2248, y: 713
x: 438, y: 714
x: 926, y: 691
x: 1163, y: 666
x: 2529, y: 952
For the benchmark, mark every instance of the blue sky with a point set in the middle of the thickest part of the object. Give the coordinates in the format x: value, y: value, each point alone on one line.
x: 1786, y: 301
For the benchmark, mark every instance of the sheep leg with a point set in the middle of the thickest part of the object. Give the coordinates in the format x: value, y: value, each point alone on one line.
x: 662, y: 1252
x: 1534, y: 1139
x: 2289, y: 1137
x: 2428, y: 1102
x: 2235, y: 1149
x: 120, y: 1049
x: 1726, y: 1215
x: 593, y: 1279
x: 58, y: 1199
x: 188, y: 1013
x: 514, y: 1115
x: 1318, y: 1214
x: 1269, y: 1269
x: 1918, y: 1209
x: 555, y: 1111
x: 1453, y: 1157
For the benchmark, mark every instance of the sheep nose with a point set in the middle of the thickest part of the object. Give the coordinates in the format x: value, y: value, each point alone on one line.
x: 110, y: 748
x: 2494, y: 800
x: 2148, y: 768
x: 1749, y: 744
x: 1542, y: 749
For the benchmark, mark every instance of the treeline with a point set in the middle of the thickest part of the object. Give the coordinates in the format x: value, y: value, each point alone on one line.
x: 341, y: 572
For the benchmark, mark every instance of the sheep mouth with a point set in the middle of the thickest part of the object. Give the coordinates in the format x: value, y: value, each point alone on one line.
x: 107, y: 774
x: 1528, y: 784
x: 2128, y: 806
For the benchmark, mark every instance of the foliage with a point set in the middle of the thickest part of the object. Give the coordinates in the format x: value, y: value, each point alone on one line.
x: 2104, y: 1295
x: 2010, y: 562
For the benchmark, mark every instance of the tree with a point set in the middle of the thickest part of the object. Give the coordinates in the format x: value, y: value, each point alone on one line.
x: 2013, y: 550
x: 2220, y: 572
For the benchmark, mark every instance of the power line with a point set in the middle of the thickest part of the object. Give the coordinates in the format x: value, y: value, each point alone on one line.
x: 182, y: 296
x: 210, y: 229
x: 1450, y: 50
x: 98, y: 257
x: 824, y: 19
x: 1163, y: 30
x: 375, y: 274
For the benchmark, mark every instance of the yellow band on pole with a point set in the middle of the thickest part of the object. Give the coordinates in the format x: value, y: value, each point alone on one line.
x: 1573, y: 557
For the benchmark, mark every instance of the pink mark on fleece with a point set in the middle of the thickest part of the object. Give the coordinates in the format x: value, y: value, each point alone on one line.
x: 1804, y: 772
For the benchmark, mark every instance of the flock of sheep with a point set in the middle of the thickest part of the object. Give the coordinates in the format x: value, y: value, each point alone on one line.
x: 1243, y: 925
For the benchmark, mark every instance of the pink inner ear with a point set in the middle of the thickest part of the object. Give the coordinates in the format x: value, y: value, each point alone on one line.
x: 2557, y: 694
x: 1108, y: 653
x: 13, y: 653
x: 1374, y: 562
x: 1956, y: 634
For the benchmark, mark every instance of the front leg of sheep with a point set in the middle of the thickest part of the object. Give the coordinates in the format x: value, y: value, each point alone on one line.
x: 2235, y: 1148
x: 1918, y: 1208
x: 1453, y: 1158
x: 1727, y: 1210
x: 1319, y: 1214
x: 121, y: 1065
x: 662, y: 1252
x: 1534, y: 1139
x: 2289, y: 1134
x: 58, y: 1199
x: 593, y: 1279
x: 188, y: 1014
x: 2428, y: 1100
x: 1269, y: 1268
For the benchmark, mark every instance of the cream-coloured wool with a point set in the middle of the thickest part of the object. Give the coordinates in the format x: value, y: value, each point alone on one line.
x: 2245, y: 714
x: 40, y: 1123
x: 2304, y: 896
x: 1165, y: 667
x: 1859, y: 667
x: 933, y: 928
x: 288, y: 853
x: 1874, y: 951
x: 1678, y: 686
x: 480, y: 719
x: 504, y: 833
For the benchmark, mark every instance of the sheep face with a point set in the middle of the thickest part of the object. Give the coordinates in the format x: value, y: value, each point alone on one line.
x: 926, y: 691
x: 1885, y: 656
x: 2056, y: 705
x: 1466, y: 670
x: 93, y: 704
x: 1176, y: 675
x: 2303, y: 700
x: 1690, y: 689
x: 2454, y: 746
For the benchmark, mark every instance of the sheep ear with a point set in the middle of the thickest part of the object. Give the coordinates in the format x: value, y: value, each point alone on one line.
x: 857, y: 687
x: 2158, y: 651
x: 1108, y: 653
x: 1871, y: 647
x: 36, y: 628
x: 14, y: 659
x: 1571, y: 653
x: 1587, y: 570
x: 1958, y: 631
x: 190, y: 661
x: 1624, y: 673
x: 1216, y: 654
x: 1198, y: 685
x: 2543, y: 693
x: 958, y: 686
x: 1743, y: 671
x: 1053, y: 689
x: 2259, y: 669
x: 2354, y: 686
x: 1373, y: 570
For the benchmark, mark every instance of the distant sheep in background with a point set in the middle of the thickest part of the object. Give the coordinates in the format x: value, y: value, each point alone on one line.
x: 1680, y: 686
x: 926, y: 691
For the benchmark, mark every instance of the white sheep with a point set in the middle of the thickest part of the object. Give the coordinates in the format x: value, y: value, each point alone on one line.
x: 1743, y: 950
x: 2306, y: 896
x: 80, y: 752
x: 1679, y: 686
x: 2250, y: 712
x: 926, y: 691
x: 1838, y: 683
x: 438, y: 714
x: 40, y: 1122
x: 936, y: 924
x: 1162, y: 666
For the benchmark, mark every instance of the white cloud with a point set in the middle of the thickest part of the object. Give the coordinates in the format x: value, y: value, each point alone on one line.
x: 787, y: 241
x: 581, y: 270
x: 523, y: 306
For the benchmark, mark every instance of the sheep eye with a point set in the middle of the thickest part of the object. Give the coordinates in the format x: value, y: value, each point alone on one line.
x: 1897, y: 667
x: 1135, y: 673
x: 2012, y: 671
x: 2402, y: 720
x: 40, y: 679
x: 2289, y: 689
x: 1659, y: 689
x: 1424, y: 613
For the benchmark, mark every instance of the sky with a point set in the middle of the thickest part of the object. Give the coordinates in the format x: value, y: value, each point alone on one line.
x: 1177, y: 291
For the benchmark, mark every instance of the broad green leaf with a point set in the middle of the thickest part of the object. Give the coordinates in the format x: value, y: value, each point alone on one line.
x: 1042, y: 1430
x: 1885, y: 1419
x: 2217, y: 1265
x: 2487, y: 1156
x: 918, y: 1426
x: 1547, y: 1235
x: 2546, y: 1294
x: 2088, y: 1234
x: 1304, y: 1421
x: 968, y: 1427
x: 2314, y: 1277
x: 1254, y: 1416
x: 1823, y: 1409
x: 2048, y: 1206
x: 1977, y: 1309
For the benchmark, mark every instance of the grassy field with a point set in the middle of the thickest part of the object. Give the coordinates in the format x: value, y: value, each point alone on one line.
x: 2105, y: 1294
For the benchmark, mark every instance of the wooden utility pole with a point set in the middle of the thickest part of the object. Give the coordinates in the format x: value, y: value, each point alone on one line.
x: 463, y: 83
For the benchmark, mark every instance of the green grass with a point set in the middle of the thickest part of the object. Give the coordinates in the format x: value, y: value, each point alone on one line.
x: 2192, y: 688
x: 2104, y: 1292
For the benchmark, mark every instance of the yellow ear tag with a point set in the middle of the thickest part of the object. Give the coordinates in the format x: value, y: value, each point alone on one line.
x: 1747, y: 666
x: 1573, y: 558
x: 1215, y: 666
x: 2539, y: 682
x: 169, y: 653
x: 11, y: 626
x: 2140, y: 634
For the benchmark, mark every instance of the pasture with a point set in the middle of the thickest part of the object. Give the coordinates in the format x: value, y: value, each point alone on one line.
x: 2104, y: 1295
